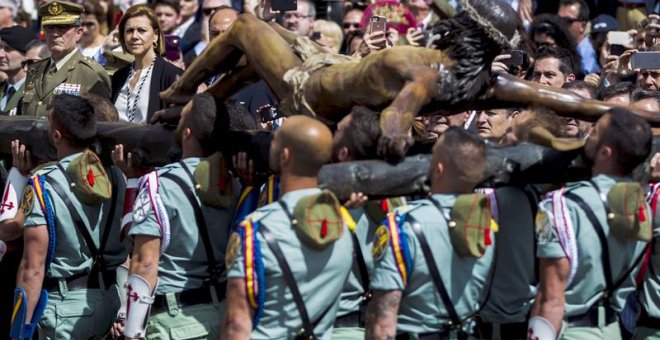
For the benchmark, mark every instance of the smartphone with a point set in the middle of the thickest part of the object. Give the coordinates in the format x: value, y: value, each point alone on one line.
x: 172, y: 51
x: 516, y: 58
x: 617, y: 49
x: 268, y: 113
x: 284, y: 5
x: 377, y: 23
x: 646, y: 60
x: 619, y: 38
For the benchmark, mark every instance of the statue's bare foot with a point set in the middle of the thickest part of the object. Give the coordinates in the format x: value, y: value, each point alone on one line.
x: 176, y: 95
x: 394, y: 148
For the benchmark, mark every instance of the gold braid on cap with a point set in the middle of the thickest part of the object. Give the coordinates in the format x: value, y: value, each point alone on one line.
x: 490, y: 30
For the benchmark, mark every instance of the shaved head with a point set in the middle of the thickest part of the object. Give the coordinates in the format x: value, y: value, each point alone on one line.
x: 459, y: 158
x: 300, y: 146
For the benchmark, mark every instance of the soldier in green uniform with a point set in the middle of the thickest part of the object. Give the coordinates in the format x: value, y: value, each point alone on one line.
x: 356, y: 138
x: 180, y: 237
x: 504, y: 314
x: 287, y: 260
x: 67, y: 71
x: 433, y: 258
x: 68, y: 217
x: 589, y: 234
x: 648, y: 323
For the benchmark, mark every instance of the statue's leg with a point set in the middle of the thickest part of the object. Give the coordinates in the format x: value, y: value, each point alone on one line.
x: 266, y: 51
x: 231, y: 82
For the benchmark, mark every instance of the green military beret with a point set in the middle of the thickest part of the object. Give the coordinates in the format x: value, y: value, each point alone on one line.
x: 61, y: 13
x: 317, y: 220
x: 629, y: 216
x: 88, y: 179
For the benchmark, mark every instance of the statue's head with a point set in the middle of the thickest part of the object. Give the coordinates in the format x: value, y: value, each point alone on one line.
x: 496, y: 18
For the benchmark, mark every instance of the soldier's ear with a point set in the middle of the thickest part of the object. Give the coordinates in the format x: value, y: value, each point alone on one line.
x: 343, y: 155
x: 285, y: 155
x: 440, y: 168
x: 187, y: 133
x: 57, y: 136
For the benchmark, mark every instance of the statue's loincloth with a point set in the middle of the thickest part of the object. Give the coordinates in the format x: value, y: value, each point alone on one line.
x: 297, y: 77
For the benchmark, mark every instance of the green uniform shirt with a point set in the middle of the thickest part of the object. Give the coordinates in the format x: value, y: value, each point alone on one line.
x: 589, y: 281
x: 351, y: 296
x: 421, y: 309
x: 650, y: 293
x: 79, y: 74
x: 183, y: 265
x: 320, y: 274
x: 72, y: 256
x: 513, y: 288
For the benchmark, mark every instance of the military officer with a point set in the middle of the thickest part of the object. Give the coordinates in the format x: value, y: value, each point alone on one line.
x: 588, y: 236
x: 287, y: 261
x: 66, y: 212
x: 435, y: 297
x: 13, y: 46
x: 180, y: 236
x: 67, y: 71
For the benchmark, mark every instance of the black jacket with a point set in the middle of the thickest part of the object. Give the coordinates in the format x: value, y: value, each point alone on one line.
x: 162, y: 76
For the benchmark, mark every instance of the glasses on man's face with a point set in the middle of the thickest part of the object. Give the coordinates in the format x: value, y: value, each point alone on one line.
x: 348, y: 25
x: 296, y: 16
x: 209, y: 10
x: 58, y: 28
x: 570, y: 20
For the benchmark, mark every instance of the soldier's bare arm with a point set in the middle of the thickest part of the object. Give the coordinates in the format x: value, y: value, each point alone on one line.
x: 146, y: 254
x: 237, y: 322
x: 382, y: 313
x: 31, y: 270
x: 550, y: 299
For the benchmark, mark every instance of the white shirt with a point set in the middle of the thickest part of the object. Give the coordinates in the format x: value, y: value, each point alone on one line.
x: 60, y: 64
x: 142, y: 107
x: 181, y: 30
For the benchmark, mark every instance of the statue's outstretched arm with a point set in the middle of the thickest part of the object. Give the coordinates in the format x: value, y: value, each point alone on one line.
x: 508, y: 89
x: 396, y: 119
x: 267, y: 53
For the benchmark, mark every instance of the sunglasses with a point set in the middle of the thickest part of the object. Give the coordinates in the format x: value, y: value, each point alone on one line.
x: 351, y: 24
x: 571, y: 20
x: 29, y: 62
x: 209, y: 10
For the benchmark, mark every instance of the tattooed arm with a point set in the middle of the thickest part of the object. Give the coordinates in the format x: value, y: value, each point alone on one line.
x: 381, y: 314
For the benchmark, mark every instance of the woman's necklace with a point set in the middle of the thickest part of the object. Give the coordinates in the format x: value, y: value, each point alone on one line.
x: 130, y: 110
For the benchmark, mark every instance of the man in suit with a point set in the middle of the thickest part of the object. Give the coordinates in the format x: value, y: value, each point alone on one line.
x: 67, y: 70
x: 13, y: 47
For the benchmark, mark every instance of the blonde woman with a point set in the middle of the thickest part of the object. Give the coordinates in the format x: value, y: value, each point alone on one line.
x: 136, y: 88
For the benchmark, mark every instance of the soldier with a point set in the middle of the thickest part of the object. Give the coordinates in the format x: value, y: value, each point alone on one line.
x: 14, y: 46
x: 66, y: 71
x: 287, y: 261
x: 356, y: 139
x: 588, y: 236
x: 435, y: 297
x: 68, y: 219
x: 180, y: 234
x: 648, y: 323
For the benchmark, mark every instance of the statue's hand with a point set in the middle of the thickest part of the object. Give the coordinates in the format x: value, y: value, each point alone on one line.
x: 393, y: 148
x: 167, y: 115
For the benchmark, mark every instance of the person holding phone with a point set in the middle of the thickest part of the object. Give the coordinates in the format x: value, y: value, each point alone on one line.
x: 135, y: 88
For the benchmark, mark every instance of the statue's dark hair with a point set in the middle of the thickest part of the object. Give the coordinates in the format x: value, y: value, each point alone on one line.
x: 466, y: 42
